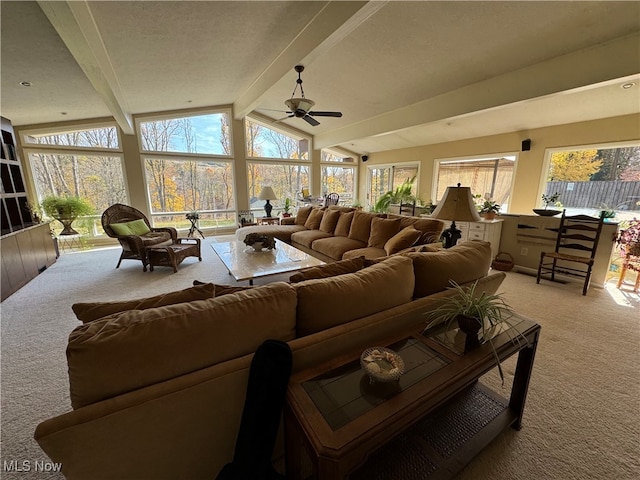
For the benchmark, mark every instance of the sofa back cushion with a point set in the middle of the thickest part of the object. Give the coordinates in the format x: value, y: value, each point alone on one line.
x: 329, y: 221
x: 344, y: 224
x: 137, y: 348
x: 89, y: 311
x: 382, y: 229
x: 431, y: 228
x: 329, y: 270
x: 327, y: 302
x: 361, y: 226
x: 314, y: 219
x: 463, y: 263
x: 302, y: 215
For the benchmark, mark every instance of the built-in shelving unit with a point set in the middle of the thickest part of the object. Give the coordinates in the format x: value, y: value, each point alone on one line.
x: 27, y: 246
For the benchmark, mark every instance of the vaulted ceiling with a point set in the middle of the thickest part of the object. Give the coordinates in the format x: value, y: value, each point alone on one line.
x: 402, y: 73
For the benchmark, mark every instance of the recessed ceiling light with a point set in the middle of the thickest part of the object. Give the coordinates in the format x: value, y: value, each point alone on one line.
x: 627, y: 86
x: 25, y: 84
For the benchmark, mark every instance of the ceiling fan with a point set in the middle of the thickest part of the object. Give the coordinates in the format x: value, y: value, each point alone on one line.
x: 300, y: 107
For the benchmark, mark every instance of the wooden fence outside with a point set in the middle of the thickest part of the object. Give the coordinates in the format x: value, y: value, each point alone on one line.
x: 613, y: 194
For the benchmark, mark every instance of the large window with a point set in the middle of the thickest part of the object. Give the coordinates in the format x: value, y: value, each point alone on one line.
x: 337, y: 176
x: 287, y: 181
x: 179, y: 183
x: 264, y: 141
x: 490, y: 178
x: 383, y: 178
x: 69, y: 167
x: 207, y: 134
x: 591, y: 179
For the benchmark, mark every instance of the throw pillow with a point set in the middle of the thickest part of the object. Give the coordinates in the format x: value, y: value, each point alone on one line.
x: 135, y: 227
x: 401, y: 240
x: 361, y: 226
x: 343, y: 225
x: 88, y: 312
x: 302, y: 215
x: 329, y: 270
x: 329, y: 221
x: 219, y: 290
x: 382, y: 229
x: 314, y: 219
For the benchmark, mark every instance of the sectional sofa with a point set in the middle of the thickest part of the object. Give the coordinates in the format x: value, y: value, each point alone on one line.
x: 157, y: 385
x: 338, y: 233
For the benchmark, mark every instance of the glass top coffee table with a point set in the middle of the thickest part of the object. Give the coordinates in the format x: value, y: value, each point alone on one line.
x: 244, y: 263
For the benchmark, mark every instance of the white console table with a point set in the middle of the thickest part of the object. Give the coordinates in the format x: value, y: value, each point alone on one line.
x: 487, y: 230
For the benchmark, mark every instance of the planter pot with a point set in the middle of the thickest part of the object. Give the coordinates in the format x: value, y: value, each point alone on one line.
x: 546, y: 212
x: 470, y: 326
x: 489, y: 215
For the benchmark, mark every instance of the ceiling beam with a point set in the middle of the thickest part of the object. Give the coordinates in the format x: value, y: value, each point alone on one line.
x: 330, y: 26
x: 583, y: 69
x: 76, y: 26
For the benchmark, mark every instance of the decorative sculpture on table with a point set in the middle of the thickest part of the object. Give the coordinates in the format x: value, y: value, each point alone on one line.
x: 260, y: 241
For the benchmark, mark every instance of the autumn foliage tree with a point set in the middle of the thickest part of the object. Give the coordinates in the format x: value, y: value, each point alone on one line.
x: 574, y: 166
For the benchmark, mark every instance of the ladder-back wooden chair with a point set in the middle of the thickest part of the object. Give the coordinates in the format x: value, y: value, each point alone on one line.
x: 331, y: 199
x: 134, y: 247
x: 576, y: 233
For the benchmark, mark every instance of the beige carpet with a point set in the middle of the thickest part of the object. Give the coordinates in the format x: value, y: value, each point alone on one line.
x: 582, y: 418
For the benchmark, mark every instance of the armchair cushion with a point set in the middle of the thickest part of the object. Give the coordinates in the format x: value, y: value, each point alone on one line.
x: 135, y: 227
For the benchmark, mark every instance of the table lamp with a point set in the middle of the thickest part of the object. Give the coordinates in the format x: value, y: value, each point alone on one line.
x: 267, y: 194
x: 456, y: 204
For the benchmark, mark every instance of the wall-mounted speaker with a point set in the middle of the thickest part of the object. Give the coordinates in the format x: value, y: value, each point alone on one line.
x: 365, y: 158
x: 526, y: 145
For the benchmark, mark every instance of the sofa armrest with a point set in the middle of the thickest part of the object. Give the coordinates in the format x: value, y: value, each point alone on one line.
x: 288, y: 221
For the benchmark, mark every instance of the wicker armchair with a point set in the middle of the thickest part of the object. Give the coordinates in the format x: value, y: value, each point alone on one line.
x: 134, y: 247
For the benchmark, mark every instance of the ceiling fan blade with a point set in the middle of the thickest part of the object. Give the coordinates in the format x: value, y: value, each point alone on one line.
x: 283, y: 118
x: 325, y: 114
x: 311, y: 121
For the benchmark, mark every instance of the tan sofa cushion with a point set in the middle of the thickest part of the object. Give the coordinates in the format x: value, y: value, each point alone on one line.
x: 329, y: 221
x: 302, y: 215
x: 89, y: 311
x: 382, y: 229
x: 329, y: 270
x: 361, y: 226
x: 307, y: 237
x: 463, y: 263
x: 344, y: 224
x: 327, y: 302
x: 137, y: 348
x: 314, y: 219
x: 401, y: 240
x: 335, y: 247
x: 431, y: 228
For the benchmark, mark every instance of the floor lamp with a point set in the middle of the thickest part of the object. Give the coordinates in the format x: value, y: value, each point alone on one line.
x: 456, y: 204
x: 267, y: 194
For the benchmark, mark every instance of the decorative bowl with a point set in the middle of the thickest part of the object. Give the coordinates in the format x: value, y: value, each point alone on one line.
x: 382, y: 364
x: 546, y: 212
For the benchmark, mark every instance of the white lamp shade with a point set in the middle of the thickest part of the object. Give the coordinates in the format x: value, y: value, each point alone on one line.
x: 267, y: 193
x: 457, y: 205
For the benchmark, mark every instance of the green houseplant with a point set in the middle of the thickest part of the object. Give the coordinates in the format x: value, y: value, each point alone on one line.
x: 549, y: 200
x: 480, y: 315
x: 66, y: 210
x: 489, y: 209
x: 286, y: 208
x: 401, y: 194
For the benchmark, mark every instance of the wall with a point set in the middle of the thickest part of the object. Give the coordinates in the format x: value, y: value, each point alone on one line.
x: 530, y: 167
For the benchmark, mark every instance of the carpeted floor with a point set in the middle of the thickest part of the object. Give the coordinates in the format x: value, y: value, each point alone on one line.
x: 582, y: 418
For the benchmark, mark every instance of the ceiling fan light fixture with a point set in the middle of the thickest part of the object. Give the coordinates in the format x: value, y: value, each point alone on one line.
x: 295, y: 104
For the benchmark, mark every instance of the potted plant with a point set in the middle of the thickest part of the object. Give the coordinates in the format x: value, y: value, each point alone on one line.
x: 286, y: 209
x: 401, y: 194
x: 549, y: 200
x: 481, y: 316
x: 489, y: 209
x: 628, y: 239
x: 66, y: 210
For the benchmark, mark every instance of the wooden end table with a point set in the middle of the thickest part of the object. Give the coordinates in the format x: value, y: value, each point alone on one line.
x: 435, y: 419
x: 173, y: 255
x: 268, y: 220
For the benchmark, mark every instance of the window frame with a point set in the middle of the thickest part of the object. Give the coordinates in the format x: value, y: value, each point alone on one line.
x: 283, y: 130
x: 179, y: 115
x: 487, y: 156
x: 410, y: 163
x: 353, y: 165
x: 60, y: 130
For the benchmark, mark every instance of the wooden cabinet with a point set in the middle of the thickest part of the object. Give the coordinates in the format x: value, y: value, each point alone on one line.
x: 27, y: 246
x: 487, y: 230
